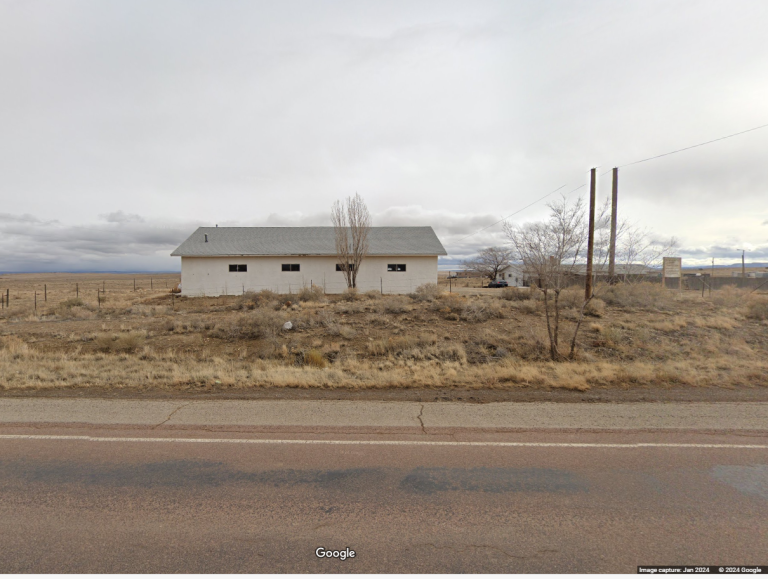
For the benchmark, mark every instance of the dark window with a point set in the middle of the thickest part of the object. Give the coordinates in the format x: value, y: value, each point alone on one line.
x: 396, y: 267
x: 238, y: 267
x: 291, y: 267
x: 342, y: 267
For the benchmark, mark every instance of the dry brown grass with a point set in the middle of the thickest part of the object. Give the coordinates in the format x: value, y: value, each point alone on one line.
x: 645, y: 336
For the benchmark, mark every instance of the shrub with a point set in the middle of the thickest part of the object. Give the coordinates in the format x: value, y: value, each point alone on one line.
x: 517, y: 294
x: 757, y: 309
x: 71, y: 302
x: 15, y: 347
x: 393, y: 305
x: 261, y: 323
x: 729, y: 296
x: 127, y: 342
x: 645, y: 295
x: 373, y: 294
x: 351, y: 294
x: 311, y: 294
x: 427, y: 292
x: 595, y: 308
x: 266, y: 296
x: 315, y: 358
x: 527, y: 307
x: 448, y: 303
x: 347, y: 333
x: 481, y: 311
x: 571, y: 297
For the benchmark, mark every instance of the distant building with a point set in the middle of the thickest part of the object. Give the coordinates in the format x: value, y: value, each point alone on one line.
x: 513, y: 275
x: 232, y: 260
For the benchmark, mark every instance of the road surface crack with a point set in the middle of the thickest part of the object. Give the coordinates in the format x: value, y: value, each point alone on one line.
x: 171, y: 415
x: 421, y: 421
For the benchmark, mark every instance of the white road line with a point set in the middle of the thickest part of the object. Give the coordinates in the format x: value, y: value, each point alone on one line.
x: 377, y: 442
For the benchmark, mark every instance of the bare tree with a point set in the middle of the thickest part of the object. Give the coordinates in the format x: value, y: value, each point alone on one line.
x: 351, y: 224
x: 640, y: 246
x: 551, y: 252
x: 489, y: 261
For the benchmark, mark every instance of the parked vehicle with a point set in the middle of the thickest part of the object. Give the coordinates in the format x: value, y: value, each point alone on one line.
x: 498, y: 283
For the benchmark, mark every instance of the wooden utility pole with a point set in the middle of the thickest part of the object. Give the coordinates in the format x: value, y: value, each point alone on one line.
x: 591, y: 234
x: 614, y: 207
x: 743, y: 269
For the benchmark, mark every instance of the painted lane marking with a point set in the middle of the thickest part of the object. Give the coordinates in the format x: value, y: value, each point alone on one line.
x: 378, y: 442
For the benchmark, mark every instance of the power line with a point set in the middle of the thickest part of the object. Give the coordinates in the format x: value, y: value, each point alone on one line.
x: 693, y: 146
x: 515, y: 213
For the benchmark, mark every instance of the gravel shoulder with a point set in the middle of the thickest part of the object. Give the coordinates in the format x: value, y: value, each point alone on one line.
x: 477, y: 396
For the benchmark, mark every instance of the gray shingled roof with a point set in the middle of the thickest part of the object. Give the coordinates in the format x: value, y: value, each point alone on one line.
x: 305, y: 241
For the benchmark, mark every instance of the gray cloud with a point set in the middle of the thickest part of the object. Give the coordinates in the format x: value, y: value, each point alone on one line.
x: 121, y: 216
x: 452, y: 113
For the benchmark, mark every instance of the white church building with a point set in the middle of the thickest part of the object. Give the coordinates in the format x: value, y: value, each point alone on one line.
x: 232, y: 260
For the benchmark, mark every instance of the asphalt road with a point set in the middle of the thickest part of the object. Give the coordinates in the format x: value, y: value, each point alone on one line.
x: 266, y: 500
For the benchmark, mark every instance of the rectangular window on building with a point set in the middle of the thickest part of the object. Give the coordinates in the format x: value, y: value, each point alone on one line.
x: 341, y: 267
x: 238, y: 267
x: 396, y: 267
x: 291, y: 267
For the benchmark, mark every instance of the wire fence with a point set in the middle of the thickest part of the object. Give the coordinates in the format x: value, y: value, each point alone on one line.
x: 22, y: 294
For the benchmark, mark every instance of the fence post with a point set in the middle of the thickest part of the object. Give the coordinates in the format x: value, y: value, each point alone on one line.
x: 35, y: 300
x: 98, y: 297
x: 46, y: 292
x: 381, y: 285
x: 134, y: 284
x: 104, y: 286
x: 77, y: 290
x: 150, y: 284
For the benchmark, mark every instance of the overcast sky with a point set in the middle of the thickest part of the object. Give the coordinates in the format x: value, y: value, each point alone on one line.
x: 126, y: 124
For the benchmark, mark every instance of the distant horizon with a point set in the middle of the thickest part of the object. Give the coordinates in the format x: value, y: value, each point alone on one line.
x: 440, y: 267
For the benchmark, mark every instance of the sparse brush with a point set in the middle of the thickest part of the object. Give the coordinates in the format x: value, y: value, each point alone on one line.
x: 373, y: 294
x: 311, y: 294
x: 315, y: 359
x: 517, y: 294
x: 14, y: 347
x: 571, y: 297
x: 120, y: 343
x: 351, y: 294
x: 643, y: 296
x: 266, y: 296
x: 729, y: 296
x: 673, y: 325
x: 261, y: 323
x: 527, y: 307
x: 393, y: 305
x: 427, y: 292
x: 481, y: 311
x: 448, y: 303
x: 757, y: 308
x: 347, y: 333
x: 715, y: 322
x: 350, y: 307
x: 595, y: 308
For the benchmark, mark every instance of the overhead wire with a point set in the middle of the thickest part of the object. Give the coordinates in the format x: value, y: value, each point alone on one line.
x: 619, y: 167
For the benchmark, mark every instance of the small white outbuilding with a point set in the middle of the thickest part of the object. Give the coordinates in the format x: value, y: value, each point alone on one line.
x: 233, y: 260
x: 513, y: 274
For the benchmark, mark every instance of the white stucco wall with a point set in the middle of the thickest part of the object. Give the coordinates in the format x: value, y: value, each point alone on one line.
x: 512, y: 274
x: 210, y: 276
